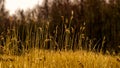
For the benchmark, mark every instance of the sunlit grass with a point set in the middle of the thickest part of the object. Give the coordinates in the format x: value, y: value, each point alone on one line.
x: 59, y: 59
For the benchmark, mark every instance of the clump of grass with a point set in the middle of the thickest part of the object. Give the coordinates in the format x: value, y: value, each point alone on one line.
x: 23, y: 35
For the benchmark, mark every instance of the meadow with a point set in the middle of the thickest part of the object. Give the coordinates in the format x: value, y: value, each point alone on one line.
x: 59, y: 59
x: 31, y: 45
x: 33, y: 51
x: 61, y: 34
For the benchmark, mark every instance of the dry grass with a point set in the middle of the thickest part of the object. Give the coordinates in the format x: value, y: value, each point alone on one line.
x: 59, y: 59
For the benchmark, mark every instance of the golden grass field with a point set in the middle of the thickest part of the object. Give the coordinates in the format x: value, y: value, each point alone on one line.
x: 59, y: 59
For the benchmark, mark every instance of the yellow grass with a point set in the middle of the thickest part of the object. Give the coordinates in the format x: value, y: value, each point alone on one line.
x: 59, y: 59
